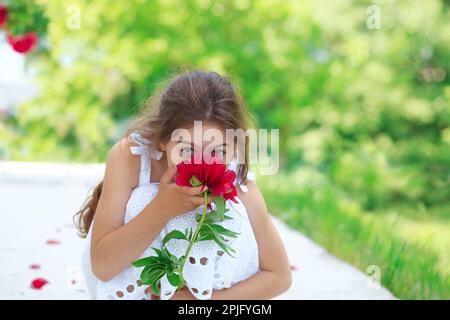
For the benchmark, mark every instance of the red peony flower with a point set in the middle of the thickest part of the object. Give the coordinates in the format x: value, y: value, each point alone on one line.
x: 3, y: 15
x: 23, y: 44
x: 38, y: 283
x: 210, y: 172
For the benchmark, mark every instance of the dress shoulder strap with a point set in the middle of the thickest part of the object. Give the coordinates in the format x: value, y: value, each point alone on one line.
x: 147, y: 153
x: 250, y: 175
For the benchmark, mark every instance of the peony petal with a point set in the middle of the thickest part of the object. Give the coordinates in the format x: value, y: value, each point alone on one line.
x: 217, y: 171
x: 38, y: 283
x: 35, y: 266
x: 184, y: 174
x: 218, y: 189
x: 182, y: 179
x: 53, y: 242
x: 199, y: 172
x: 229, y: 176
x: 231, y: 195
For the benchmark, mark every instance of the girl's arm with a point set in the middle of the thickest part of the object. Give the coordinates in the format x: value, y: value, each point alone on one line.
x: 114, y: 246
x: 275, y: 275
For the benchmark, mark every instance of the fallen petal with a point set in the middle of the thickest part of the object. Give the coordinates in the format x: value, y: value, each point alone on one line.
x: 35, y: 266
x: 38, y: 283
x: 53, y: 242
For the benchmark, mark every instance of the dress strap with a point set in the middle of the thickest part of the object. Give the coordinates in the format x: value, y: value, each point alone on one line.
x: 147, y: 153
x: 250, y: 175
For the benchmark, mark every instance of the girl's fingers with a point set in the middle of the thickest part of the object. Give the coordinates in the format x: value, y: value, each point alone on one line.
x: 196, y: 190
x: 153, y: 297
x: 198, y: 201
x: 167, y: 177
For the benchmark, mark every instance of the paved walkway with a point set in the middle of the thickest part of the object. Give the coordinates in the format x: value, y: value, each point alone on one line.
x: 38, y: 240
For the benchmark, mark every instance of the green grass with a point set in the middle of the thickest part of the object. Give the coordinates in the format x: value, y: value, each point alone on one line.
x: 409, y: 246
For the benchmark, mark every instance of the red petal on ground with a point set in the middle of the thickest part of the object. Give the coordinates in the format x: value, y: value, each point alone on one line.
x: 38, y: 283
x: 53, y: 242
x: 35, y: 266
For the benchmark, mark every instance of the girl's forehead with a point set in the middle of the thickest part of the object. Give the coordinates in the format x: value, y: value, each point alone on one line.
x: 203, y: 133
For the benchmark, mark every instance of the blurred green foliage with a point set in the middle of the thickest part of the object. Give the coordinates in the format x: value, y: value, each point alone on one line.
x: 408, y: 243
x: 366, y: 109
x: 25, y: 16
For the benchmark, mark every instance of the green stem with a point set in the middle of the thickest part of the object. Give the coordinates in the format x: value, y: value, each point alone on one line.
x: 194, y: 237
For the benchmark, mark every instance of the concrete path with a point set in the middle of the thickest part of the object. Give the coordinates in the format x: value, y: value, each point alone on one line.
x: 38, y: 200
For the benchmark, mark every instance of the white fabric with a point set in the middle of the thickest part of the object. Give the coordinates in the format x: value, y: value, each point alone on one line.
x: 217, y: 271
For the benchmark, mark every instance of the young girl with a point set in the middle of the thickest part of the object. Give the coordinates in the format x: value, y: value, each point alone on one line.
x: 138, y: 203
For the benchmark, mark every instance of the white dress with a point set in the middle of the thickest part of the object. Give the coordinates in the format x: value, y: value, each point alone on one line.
x: 217, y: 271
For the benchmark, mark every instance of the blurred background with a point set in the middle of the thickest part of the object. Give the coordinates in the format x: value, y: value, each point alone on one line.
x: 360, y: 91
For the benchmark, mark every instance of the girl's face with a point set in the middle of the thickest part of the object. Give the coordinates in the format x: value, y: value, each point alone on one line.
x: 208, y: 140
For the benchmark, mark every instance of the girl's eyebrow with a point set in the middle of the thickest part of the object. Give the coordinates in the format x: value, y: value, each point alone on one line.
x: 191, y: 144
x: 222, y: 145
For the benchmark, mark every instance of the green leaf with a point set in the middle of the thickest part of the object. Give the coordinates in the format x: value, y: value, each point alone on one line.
x: 223, y: 231
x: 158, y: 252
x: 205, y: 233
x: 174, y: 279
x: 166, y: 256
x: 221, y: 243
x: 174, y: 234
x: 220, y: 205
x: 155, y: 276
x: 155, y: 288
x: 175, y: 260
x: 145, y: 262
x: 214, y: 216
x: 165, y: 253
x: 194, y: 181
x: 148, y: 274
x: 205, y: 237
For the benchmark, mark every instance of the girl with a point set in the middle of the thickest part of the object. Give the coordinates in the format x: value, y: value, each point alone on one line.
x: 137, y: 203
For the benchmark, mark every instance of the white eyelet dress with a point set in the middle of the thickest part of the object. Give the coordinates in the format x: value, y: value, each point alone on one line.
x: 207, y: 268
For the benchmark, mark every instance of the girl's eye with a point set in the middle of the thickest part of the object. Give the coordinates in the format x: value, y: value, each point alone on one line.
x: 218, y: 153
x: 187, y: 151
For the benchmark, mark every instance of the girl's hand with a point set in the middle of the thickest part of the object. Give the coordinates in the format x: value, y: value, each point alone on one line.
x: 175, y: 200
x: 183, y: 294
